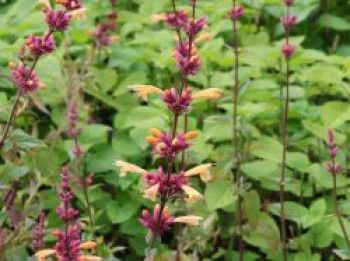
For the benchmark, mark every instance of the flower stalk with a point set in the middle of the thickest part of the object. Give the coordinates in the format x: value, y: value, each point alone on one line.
x: 73, y: 131
x: 288, y: 50
x: 334, y: 169
x: 35, y: 47
x: 164, y: 185
x: 235, y: 13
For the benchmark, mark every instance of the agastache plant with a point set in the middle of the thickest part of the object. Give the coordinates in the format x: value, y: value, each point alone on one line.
x: 334, y: 169
x: 103, y: 33
x: 288, y: 50
x: 69, y: 246
x: 235, y: 13
x: 84, y: 182
x: 165, y: 185
x: 35, y: 47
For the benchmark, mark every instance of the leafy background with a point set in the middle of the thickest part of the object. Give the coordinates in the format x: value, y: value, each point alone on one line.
x: 320, y: 95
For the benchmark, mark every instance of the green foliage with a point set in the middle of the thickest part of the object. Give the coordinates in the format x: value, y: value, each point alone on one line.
x: 320, y: 74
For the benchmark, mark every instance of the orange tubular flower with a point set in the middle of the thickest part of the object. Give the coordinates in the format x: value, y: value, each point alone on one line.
x: 145, y: 90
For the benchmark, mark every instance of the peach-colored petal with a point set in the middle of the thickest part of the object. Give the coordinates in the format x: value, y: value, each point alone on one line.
x: 90, y: 258
x: 145, y: 90
x: 152, y: 140
x: 45, y: 3
x: 79, y: 13
x: 115, y: 38
x: 203, y: 37
x: 126, y: 167
x: 156, y: 132
x: 193, y: 195
x: 209, y: 94
x: 152, y: 192
x: 88, y: 245
x: 45, y: 253
x: 189, y: 220
x: 191, y: 135
x: 156, y: 18
x: 202, y: 170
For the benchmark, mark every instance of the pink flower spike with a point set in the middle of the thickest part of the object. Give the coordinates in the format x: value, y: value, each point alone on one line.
x: 40, y: 45
x: 158, y: 223
x: 177, y: 20
x: 57, y: 21
x: 25, y: 78
x: 288, y: 50
x: 288, y: 22
x: 236, y: 13
x: 288, y: 2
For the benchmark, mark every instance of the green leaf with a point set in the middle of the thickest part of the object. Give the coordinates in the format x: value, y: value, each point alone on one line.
x: 303, y: 256
x: 334, y: 22
x: 251, y: 207
x: 294, y: 211
x: 342, y: 254
x: 261, y: 169
x: 106, y: 78
x: 146, y: 117
x: 123, y: 209
x: 220, y: 194
x: 213, y: 126
x: 266, y: 235
x: 94, y: 134
x: 335, y: 114
x: 267, y: 148
x: 9, y: 173
x: 24, y: 141
x: 321, y: 131
x: 315, y: 214
x: 103, y: 159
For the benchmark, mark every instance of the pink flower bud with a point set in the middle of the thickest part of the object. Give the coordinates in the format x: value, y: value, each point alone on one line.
x: 288, y: 2
x: 236, y: 13
x: 288, y: 50
x: 288, y: 22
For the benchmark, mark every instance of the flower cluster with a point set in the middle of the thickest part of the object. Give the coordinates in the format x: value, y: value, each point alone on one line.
x: 24, y: 76
x: 73, y: 131
x: 177, y: 103
x: 178, y: 19
x: 288, y: 22
x: 57, y: 20
x: 185, y: 52
x: 102, y: 34
x: 69, y: 246
x: 40, y: 45
x: 174, y: 186
x: 39, y: 233
x: 236, y: 12
x: 164, y: 145
x: 165, y: 185
x: 332, y: 167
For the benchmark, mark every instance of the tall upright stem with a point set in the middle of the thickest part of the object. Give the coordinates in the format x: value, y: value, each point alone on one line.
x: 85, y: 189
x: 336, y: 209
x: 284, y: 152
x: 19, y: 94
x: 12, y: 116
x: 164, y: 196
x: 236, y: 156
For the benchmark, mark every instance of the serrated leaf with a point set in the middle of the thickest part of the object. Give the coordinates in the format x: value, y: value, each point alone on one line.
x: 220, y: 194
